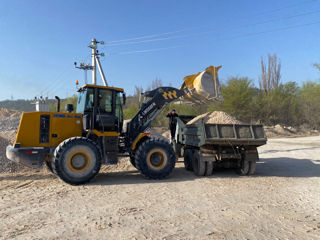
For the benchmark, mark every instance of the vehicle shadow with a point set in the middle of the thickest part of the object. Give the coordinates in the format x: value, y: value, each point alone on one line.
x: 179, y: 174
x: 287, y: 167
x: 288, y: 150
x: 266, y: 167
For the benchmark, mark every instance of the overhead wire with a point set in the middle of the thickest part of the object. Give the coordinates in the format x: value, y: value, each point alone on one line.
x: 56, y: 84
x: 188, y: 29
x: 146, y: 50
x: 211, y: 31
x: 231, y: 38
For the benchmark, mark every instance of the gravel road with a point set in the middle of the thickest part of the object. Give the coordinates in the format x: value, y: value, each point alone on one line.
x: 282, y: 201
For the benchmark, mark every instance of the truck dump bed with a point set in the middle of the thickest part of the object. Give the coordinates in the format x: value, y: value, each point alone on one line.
x: 200, y: 134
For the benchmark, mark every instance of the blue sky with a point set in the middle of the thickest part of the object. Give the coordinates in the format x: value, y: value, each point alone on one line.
x: 40, y: 40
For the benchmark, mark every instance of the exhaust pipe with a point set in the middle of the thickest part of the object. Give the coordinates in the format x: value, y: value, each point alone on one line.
x: 58, y: 103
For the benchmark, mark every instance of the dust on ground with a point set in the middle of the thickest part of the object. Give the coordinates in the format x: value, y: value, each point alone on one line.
x: 281, y: 201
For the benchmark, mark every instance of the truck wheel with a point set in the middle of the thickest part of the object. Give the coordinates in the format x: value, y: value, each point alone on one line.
x: 244, y: 168
x: 252, y: 167
x: 188, y: 155
x: 209, y: 168
x: 155, y: 158
x: 199, y: 166
x: 177, y: 148
x: 77, y: 160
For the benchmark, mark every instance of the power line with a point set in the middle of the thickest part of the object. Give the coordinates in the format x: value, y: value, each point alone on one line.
x: 231, y: 38
x: 211, y: 31
x: 188, y: 29
x: 56, y: 83
x: 146, y: 50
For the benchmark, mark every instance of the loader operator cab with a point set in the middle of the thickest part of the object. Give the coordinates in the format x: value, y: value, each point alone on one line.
x: 101, y: 107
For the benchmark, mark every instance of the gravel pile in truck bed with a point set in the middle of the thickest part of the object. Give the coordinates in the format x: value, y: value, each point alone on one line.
x: 216, y: 117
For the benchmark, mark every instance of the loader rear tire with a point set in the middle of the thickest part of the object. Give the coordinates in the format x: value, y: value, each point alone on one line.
x: 188, y: 155
x: 155, y: 158
x: 199, y: 166
x: 77, y: 160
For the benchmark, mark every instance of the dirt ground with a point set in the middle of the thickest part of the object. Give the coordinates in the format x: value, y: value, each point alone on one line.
x: 282, y: 201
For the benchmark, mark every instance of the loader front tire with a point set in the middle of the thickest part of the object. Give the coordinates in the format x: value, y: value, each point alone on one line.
x: 155, y: 158
x: 132, y: 159
x: 77, y: 160
x: 49, y: 165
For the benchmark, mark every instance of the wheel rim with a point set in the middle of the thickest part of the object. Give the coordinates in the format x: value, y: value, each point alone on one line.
x: 156, y: 159
x: 79, y: 161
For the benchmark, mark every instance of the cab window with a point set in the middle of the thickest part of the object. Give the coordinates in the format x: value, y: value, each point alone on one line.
x: 119, y: 113
x: 104, y: 101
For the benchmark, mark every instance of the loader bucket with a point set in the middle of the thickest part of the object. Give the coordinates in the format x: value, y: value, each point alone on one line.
x: 203, y: 87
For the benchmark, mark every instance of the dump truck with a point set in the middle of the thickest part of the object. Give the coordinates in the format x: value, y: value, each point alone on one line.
x: 207, y: 146
x: 74, y: 145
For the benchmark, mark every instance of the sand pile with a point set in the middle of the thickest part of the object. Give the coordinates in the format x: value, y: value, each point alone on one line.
x: 9, y: 119
x: 5, y: 113
x: 7, y: 138
x: 217, y: 117
x: 9, y: 122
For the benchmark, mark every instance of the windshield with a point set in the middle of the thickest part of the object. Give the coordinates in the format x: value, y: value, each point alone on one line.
x: 85, y: 101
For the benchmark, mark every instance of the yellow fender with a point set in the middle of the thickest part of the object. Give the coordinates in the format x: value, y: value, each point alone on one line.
x: 140, y: 136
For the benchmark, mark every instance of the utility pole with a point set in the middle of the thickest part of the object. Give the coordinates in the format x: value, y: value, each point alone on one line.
x: 95, y: 60
x: 93, y: 46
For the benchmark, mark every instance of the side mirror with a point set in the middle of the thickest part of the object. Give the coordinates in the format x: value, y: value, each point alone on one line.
x: 69, y: 108
x: 124, y: 97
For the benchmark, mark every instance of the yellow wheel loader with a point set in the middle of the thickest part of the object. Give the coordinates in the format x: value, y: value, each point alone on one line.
x: 75, y: 145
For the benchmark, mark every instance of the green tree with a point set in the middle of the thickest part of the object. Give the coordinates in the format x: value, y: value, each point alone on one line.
x: 130, y: 111
x: 310, y: 101
x: 281, y: 105
x: 237, y: 94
